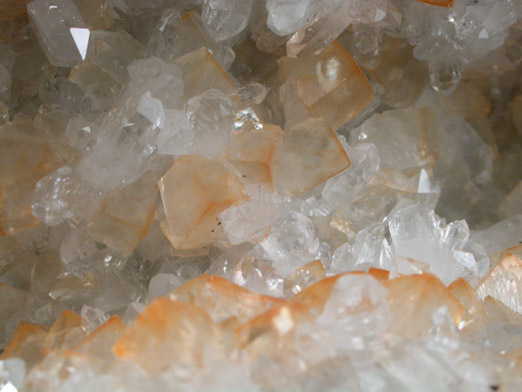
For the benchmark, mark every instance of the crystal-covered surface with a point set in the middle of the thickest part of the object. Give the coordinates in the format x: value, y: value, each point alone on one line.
x: 268, y: 195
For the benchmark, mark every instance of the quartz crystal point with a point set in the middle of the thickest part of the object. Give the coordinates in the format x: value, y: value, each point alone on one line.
x: 310, y: 153
x: 195, y: 191
x: 329, y: 85
x: 61, y: 30
x: 225, y: 19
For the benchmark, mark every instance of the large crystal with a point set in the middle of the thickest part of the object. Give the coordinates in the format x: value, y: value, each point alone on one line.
x: 225, y: 19
x: 195, y: 191
x: 329, y: 85
x: 310, y: 154
x: 61, y: 30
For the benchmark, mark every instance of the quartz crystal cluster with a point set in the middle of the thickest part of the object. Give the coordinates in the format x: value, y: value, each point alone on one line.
x: 251, y: 195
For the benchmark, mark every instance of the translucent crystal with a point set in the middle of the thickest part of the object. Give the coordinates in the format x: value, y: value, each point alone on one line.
x: 61, y: 30
x: 54, y: 197
x: 292, y: 242
x: 21, y: 142
x: 253, y: 154
x: 309, y: 155
x: 329, y: 85
x: 252, y: 220
x: 12, y: 374
x: 192, y: 210
x: 225, y: 19
x: 286, y: 17
x: 212, y: 118
x: 125, y: 217
x: 78, y: 253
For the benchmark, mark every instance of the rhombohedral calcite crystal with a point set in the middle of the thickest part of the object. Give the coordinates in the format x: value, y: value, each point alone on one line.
x: 268, y: 195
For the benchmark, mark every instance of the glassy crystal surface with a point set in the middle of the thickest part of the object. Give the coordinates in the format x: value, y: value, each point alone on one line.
x: 329, y: 85
x: 192, y: 210
x: 61, y: 30
x: 310, y: 154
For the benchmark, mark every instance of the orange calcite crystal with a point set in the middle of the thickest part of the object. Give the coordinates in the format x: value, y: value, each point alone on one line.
x: 26, y: 343
x: 440, y: 3
x: 309, y: 155
x: 126, y: 216
x: 252, y: 154
x: 201, y: 72
x: 195, y: 190
x: 168, y: 334
x: 25, y: 157
x: 474, y: 313
x: 65, y: 334
x: 304, y: 276
x: 414, y: 299
x: 504, y: 281
x: 329, y: 85
x: 101, y: 340
x: 222, y: 299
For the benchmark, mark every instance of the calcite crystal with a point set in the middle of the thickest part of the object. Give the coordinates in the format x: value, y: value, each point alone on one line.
x: 260, y: 195
x: 195, y: 191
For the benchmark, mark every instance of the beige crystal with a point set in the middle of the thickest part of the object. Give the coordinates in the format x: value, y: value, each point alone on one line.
x: 252, y: 154
x: 329, y: 86
x: 195, y: 190
x: 309, y: 155
x: 126, y: 216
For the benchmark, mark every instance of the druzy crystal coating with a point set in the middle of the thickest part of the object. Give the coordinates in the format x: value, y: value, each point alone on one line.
x: 260, y: 195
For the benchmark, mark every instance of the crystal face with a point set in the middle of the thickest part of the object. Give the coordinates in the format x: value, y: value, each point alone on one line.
x: 260, y: 195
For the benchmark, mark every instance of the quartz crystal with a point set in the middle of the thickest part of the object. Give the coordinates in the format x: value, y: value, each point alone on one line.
x: 260, y: 195
x: 61, y: 30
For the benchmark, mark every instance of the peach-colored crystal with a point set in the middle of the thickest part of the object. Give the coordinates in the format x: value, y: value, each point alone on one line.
x: 168, y: 334
x: 474, y: 313
x: 414, y: 299
x: 65, y: 334
x: 309, y: 155
x: 329, y: 85
x: 126, y: 216
x: 195, y: 190
x: 304, y: 276
x: 26, y: 343
x: 201, y: 72
x: 222, y: 299
x: 100, y: 341
x: 504, y: 281
x: 252, y: 154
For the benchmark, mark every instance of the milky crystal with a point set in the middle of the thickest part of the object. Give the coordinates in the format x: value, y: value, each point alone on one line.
x: 225, y: 19
x: 310, y: 154
x: 61, y: 30
x: 126, y: 216
x: 292, y: 242
x: 192, y: 210
x: 329, y: 85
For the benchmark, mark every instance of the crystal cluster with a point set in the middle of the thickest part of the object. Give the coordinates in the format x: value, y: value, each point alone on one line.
x: 251, y: 195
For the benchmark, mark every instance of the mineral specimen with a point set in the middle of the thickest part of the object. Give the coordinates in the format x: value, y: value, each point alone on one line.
x: 260, y: 195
